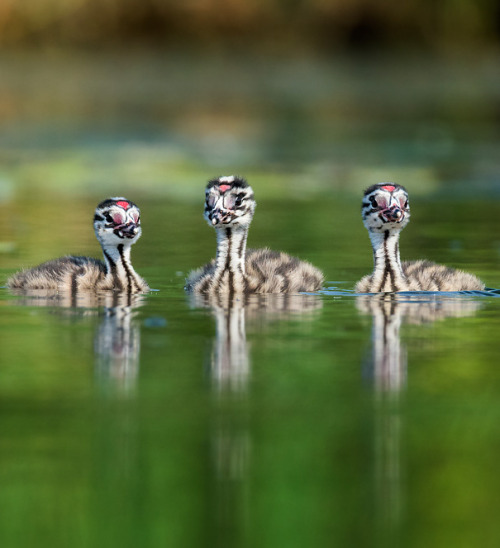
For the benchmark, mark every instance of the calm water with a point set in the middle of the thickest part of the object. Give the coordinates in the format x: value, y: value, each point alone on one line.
x: 309, y: 420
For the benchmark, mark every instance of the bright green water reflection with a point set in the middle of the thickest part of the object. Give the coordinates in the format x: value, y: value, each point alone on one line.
x: 298, y: 420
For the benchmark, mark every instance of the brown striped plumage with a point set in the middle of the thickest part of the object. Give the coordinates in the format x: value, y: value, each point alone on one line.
x: 386, y: 211
x: 229, y: 207
x: 117, y: 227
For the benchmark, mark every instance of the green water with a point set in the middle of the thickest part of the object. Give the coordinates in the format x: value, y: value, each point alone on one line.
x: 286, y: 421
x: 315, y: 420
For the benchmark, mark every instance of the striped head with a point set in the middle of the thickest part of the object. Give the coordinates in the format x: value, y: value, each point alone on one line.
x: 229, y: 202
x: 385, y: 206
x: 117, y: 221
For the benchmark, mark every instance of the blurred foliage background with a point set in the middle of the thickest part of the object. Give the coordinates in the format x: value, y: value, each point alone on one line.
x: 281, y: 23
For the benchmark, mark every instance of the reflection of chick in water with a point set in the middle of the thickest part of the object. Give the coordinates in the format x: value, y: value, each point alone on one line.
x: 230, y: 363
x: 271, y: 306
x: 117, y: 337
x: 230, y: 360
x: 117, y: 343
x: 388, y: 368
x: 389, y: 360
x: 76, y: 301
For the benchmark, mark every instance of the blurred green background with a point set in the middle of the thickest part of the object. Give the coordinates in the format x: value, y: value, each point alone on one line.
x: 166, y: 94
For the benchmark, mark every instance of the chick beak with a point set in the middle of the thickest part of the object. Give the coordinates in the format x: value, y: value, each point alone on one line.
x: 393, y: 214
x: 129, y: 230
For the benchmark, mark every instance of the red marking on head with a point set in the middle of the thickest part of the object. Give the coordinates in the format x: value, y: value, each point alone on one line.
x: 125, y: 205
x: 223, y: 188
x: 390, y: 188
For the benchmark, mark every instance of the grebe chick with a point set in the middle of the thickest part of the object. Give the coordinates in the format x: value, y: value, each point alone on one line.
x: 386, y: 211
x: 229, y: 208
x: 117, y: 226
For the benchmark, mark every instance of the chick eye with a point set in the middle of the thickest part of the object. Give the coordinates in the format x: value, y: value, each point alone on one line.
x: 373, y: 201
x: 238, y: 201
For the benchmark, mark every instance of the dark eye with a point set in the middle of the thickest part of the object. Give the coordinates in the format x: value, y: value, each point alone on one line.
x: 373, y: 201
x: 238, y: 201
x: 108, y: 217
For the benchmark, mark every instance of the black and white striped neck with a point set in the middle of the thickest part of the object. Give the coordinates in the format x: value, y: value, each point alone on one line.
x: 387, y: 273
x: 230, y: 260
x: 119, y: 268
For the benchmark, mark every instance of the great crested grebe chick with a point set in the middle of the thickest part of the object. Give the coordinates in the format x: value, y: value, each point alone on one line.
x: 117, y: 226
x: 229, y: 208
x: 386, y: 211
